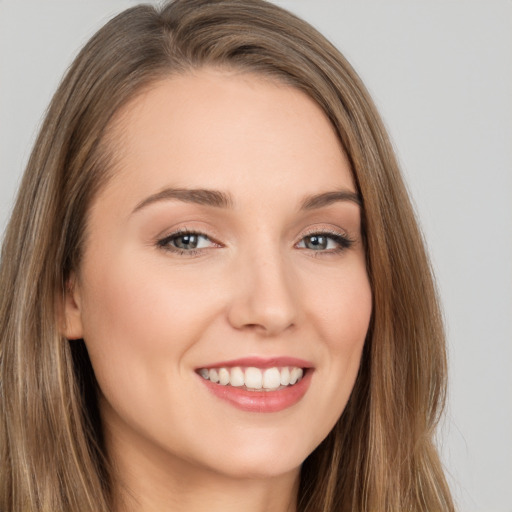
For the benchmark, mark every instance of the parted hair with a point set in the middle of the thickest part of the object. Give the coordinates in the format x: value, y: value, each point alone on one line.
x: 380, y: 455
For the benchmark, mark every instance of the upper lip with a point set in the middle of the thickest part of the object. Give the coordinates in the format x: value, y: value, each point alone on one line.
x: 261, y: 362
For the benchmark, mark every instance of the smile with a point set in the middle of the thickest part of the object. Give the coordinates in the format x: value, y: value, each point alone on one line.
x: 254, y: 379
x: 257, y: 384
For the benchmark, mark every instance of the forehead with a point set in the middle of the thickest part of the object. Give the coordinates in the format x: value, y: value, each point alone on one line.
x: 226, y: 130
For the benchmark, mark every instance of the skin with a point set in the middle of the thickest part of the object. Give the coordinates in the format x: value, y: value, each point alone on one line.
x: 151, y: 316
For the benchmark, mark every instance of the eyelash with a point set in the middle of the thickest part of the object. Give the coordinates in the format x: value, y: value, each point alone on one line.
x: 165, y: 243
x: 343, y: 242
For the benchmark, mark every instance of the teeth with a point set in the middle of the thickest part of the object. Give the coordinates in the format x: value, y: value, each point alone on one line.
x: 267, y: 379
x: 271, y: 378
x: 295, y: 375
x: 237, y: 377
x: 285, y: 376
x: 213, y: 374
x: 253, y: 378
x: 223, y: 376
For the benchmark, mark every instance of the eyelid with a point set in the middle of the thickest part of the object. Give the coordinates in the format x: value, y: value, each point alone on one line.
x: 163, y: 241
x: 338, y: 235
x: 324, y: 230
x: 199, y: 228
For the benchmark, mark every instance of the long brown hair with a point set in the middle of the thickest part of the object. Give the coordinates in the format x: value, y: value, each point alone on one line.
x: 380, y: 456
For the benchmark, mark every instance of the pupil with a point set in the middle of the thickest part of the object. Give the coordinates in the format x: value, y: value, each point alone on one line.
x: 187, y: 242
x: 317, y: 242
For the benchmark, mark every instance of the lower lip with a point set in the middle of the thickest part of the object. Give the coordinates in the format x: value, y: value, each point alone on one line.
x: 261, y: 401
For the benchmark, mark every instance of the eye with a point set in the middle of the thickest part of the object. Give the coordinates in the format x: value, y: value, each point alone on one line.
x: 185, y: 242
x: 329, y: 242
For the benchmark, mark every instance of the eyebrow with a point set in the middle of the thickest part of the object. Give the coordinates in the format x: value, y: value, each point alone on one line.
x: 327, y: 198
x: 197, y: 196
x: 220, y: 199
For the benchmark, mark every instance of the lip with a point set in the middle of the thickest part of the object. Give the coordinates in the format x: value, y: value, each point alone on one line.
x: 260, y: 362
x: 261, y: 401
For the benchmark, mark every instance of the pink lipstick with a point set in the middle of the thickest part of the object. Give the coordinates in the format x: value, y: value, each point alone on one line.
x: 258, y: 384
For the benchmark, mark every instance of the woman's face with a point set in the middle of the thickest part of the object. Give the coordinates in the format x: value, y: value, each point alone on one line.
x: 227, y: 245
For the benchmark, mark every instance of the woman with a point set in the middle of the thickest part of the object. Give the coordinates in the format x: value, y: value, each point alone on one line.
x: 217, y: 294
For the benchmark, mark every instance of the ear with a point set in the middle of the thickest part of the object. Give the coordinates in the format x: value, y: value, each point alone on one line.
x: 71, y: 323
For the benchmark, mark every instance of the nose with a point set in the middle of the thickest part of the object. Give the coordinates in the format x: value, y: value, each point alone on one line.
x: 263, y: 300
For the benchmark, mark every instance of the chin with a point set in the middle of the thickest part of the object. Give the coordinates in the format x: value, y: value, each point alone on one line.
x: 260, y: 469
x: 261, y: 457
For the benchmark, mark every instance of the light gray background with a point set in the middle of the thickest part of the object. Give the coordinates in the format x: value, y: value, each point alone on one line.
x: 441, y: 74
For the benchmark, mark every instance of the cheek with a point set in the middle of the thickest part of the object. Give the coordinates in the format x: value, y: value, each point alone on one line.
x: 349, y: 322
x: 138, y: 322
x: 132, y: 301
x: 341, y: 315
x: 342, y: 308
